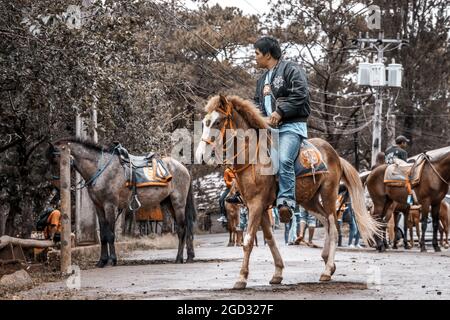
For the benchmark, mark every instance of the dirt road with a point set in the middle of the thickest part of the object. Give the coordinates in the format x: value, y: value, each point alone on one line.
x: 360, y: 274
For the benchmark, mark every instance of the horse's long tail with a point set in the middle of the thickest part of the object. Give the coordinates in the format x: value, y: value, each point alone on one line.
x: 368, y: 227
x: 191, y: 213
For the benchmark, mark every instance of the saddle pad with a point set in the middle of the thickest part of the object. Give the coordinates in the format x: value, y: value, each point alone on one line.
x: 155, y: 175
x: 401, y: 173
x: 309, y: 161
x: 152, y: 214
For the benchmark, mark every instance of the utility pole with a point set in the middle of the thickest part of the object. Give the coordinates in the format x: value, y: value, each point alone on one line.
x: 378, y: 81
x: 355, y: 143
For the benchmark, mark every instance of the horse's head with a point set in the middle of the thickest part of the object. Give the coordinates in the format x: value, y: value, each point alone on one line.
x: 217, y: 120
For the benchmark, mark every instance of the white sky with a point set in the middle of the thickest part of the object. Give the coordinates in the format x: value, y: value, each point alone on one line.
x: 247, y: 6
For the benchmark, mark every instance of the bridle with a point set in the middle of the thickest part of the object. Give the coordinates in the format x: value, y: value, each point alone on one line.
x: 229, y: 124
x: 91, y: 182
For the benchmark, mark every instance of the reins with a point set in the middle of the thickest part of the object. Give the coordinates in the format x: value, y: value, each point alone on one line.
x: 427, y: 158
x: 229, y: 123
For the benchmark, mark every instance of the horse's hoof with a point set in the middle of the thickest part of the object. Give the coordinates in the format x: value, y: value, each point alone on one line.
x: 407, y: 247
x: 190, y: 260
x: 325, y: 277
x: 437, y: 249
x: 101, y: 263
x: 276, y: 280
x: 178, y: 261
x: 230, y: 244
x: 423, y: 249
x: 240, y: 285
x: 113, y: 262
x: 333, y: 270
x: 394, y: 247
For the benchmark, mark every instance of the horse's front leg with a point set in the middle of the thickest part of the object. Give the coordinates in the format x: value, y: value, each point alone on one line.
x: 111, y: 213
x: 435, y: 217
x: 255, y: 211
x: 270, y: 240
x: 103, y: 239
x: 424, y: 222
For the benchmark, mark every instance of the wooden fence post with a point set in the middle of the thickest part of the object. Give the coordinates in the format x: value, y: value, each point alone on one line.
x: 66, y: 244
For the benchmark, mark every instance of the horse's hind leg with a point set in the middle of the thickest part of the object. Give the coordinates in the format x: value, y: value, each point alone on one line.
x: 270, y: 240
x: 329, y: 249
x: 435, y: 216
x: 181, y: 231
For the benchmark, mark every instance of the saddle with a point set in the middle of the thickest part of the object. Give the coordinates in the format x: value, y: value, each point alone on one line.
x: 401, y: 173
x: 143, y: 171
x: 309, y: 161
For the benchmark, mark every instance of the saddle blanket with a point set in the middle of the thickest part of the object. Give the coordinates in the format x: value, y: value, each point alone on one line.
x: 152, y: 214
x: 309, y: 161
x: 155, y: 174
x: 402, y: 173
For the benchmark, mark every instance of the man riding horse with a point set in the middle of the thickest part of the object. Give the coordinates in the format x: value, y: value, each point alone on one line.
x: 282, y: 96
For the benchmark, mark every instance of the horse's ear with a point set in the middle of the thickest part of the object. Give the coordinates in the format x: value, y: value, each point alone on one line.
x: 223, y: 102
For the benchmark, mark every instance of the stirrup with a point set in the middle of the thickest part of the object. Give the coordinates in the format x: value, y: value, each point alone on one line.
x: 135, y: 200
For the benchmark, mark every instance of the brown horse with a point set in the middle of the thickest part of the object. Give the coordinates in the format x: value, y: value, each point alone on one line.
x: 317, y: 194
x: 233, y: 212
x: 430, y: 191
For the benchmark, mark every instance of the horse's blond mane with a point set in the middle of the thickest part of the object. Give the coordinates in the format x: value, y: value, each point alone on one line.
x: 246, y: 109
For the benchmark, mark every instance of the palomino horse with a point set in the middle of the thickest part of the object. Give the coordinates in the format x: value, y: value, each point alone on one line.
x: 233, y: 213
x: 430, y: 191
x: 412, y: 220
x: 110, y: 194
x: 444, y: 217
x: 317, y: 194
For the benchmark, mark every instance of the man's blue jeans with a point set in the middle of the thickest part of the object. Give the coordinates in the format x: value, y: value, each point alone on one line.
x: 288, y: 148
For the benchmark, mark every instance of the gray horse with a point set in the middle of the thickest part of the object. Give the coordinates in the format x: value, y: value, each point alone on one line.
x: 110, y: 194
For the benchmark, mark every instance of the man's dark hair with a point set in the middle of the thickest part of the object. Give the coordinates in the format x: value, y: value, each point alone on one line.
x: 269, y: 45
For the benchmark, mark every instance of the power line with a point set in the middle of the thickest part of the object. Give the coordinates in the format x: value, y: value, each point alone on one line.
x: 344, y: 95
x: 342, y: 107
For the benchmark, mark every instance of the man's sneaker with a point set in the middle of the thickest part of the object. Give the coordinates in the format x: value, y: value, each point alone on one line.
x: 359, y: 246
x: 222, y: 219
x: 285, y: 213
x: 351, y: 246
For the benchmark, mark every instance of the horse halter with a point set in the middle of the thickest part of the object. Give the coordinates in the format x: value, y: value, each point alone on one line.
x: 230, y: 125
x: 228, y: 122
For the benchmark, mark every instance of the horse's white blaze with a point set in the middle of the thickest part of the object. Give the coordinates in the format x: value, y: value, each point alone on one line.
x: 209, y: 119
x: 246, y: 239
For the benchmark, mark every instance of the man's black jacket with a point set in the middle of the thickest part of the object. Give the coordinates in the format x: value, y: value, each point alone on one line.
x: 395, y: 152
x: 290, y: 96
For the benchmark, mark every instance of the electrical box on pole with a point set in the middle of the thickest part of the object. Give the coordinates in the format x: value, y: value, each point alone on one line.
x: 395, y: 72
x: 364, y: 70
x: 377, y: 75
x: 374, y: 75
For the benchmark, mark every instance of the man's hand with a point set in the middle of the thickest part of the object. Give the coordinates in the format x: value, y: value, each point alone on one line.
x: 275, y: 118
